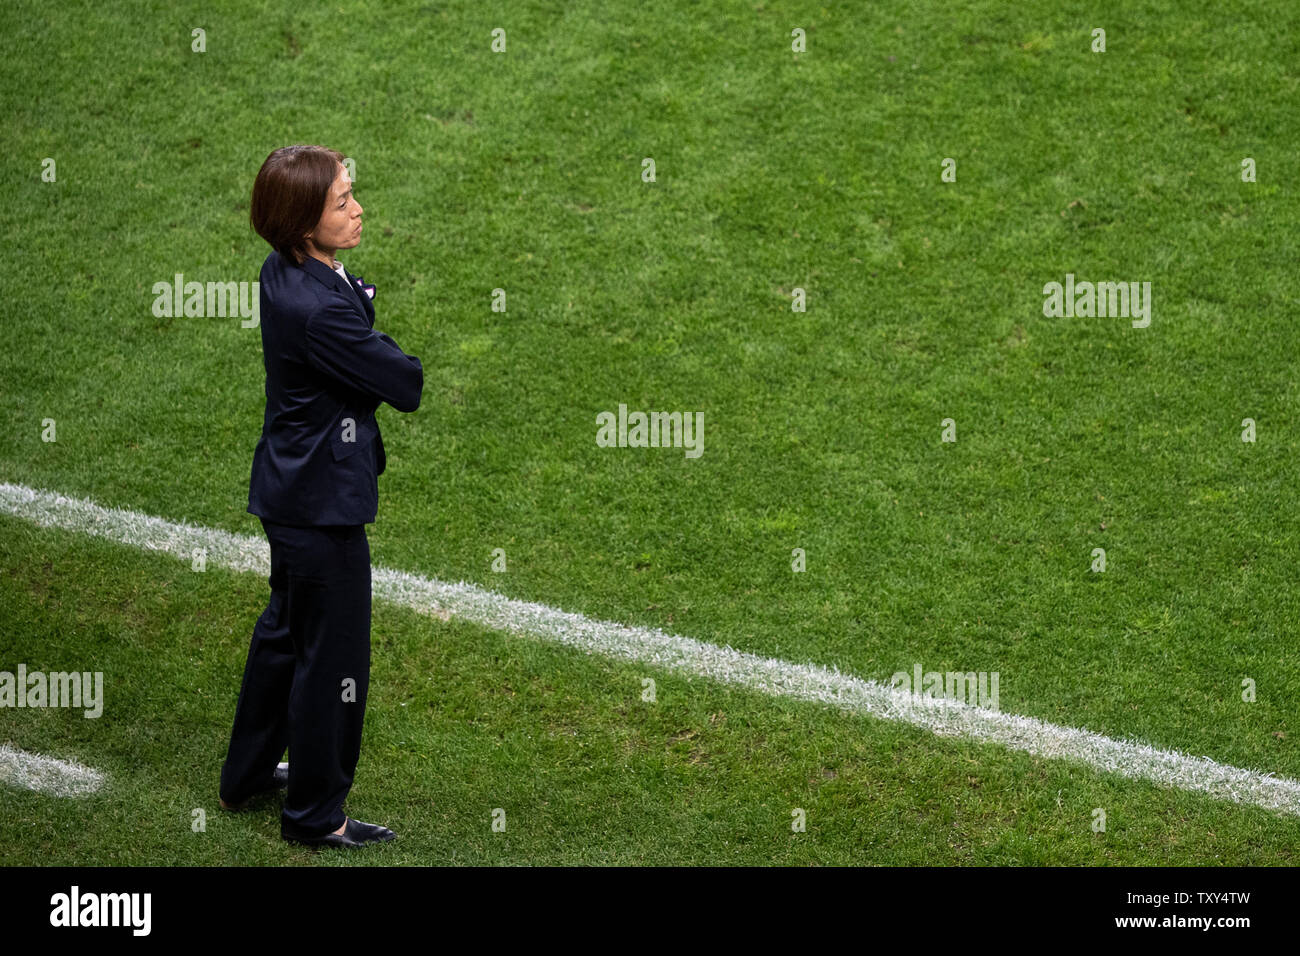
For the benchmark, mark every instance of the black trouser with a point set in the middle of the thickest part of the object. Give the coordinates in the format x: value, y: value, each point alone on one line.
x: 306, y: 678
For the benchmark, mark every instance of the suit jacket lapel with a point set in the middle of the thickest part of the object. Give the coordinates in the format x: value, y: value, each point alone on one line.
x: 361, y: 294
x: 332, y: 279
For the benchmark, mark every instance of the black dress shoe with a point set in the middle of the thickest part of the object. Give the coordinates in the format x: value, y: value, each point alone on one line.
x: 355, y: 833
x: 279, y: 780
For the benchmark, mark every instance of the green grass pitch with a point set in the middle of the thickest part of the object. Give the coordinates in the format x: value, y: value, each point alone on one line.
x: 775, y: 171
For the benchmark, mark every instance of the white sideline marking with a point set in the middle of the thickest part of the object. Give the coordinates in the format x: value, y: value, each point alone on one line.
x: 60, y: 778
x: 689, y: 657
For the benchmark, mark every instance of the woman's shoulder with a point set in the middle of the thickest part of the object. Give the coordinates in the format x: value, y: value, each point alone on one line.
x: 274, y: 262
x: 308, y: 289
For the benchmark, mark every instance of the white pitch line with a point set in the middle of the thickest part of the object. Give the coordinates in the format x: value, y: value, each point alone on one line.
x: 59, y: 778
x: 689, y: 657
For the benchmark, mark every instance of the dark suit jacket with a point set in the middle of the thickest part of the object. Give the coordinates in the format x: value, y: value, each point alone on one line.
x: 327, y: 369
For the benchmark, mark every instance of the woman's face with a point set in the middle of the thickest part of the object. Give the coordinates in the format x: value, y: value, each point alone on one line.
x: 340, y: 222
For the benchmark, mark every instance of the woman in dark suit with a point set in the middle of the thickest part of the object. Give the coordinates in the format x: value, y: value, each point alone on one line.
x: 315, y: 487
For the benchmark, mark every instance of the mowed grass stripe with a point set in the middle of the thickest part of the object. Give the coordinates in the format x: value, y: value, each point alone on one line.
x: 687, y: 656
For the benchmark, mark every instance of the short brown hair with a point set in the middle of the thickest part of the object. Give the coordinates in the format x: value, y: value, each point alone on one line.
x: 289, y: 196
